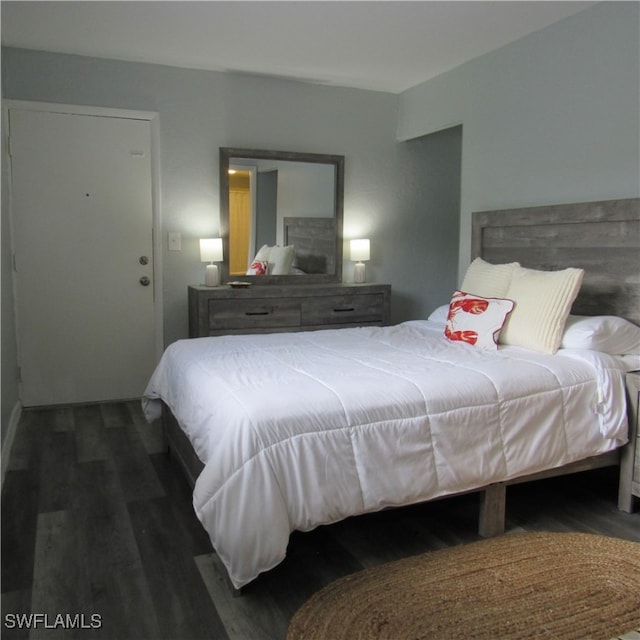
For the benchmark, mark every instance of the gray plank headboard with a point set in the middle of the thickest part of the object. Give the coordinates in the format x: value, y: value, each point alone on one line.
x: 315, y: 241
x: 603, y: 238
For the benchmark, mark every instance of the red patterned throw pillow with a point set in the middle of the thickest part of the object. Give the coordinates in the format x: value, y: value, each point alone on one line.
x: 476, y: 320
x: 258, y: 268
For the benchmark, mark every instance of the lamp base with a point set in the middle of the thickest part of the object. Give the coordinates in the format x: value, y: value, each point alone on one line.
x: 359, y: 273
x: 211, y: 276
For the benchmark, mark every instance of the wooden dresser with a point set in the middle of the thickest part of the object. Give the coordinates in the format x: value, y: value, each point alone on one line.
x: 284, y: 308
x: 630, y: 462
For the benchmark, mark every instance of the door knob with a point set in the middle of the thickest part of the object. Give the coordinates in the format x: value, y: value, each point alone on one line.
x: 144, y: 281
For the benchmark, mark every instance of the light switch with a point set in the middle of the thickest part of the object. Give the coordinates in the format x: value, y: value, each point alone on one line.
x: 175, y: 241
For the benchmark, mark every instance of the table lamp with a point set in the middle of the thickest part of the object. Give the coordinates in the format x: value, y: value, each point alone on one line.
x: 211, y: 251
x: 359, y: 253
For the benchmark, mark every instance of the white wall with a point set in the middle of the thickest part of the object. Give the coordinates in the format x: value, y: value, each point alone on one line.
x: 306, y: 190
x: 552, y: 118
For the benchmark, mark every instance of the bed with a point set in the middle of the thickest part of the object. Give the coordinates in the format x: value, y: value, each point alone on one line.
x: 283, y: 432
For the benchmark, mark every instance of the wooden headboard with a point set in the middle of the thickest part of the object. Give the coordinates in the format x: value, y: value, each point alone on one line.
x: 315, y: 243
x: 603, y: 238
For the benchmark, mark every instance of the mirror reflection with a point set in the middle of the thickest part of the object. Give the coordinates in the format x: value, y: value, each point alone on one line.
x: 281, y: 215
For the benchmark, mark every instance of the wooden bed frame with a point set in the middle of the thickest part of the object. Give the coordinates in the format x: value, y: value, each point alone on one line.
x: 601, y: 237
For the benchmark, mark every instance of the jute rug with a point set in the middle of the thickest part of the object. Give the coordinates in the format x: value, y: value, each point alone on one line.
x: 523, y: 585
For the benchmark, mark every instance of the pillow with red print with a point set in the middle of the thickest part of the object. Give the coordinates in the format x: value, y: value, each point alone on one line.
x: 476, y: 320
x: 258, y: 268
x: 260, y: 263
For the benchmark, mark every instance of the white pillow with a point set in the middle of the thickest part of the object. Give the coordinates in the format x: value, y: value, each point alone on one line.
x: 280, y: 260
x: 259, y: 264
x: 608, y: 334
x: 440, y: 315
x: 263, y: 253
x: 476, y: 320
x: 543, y: 301
x: 488, y: 280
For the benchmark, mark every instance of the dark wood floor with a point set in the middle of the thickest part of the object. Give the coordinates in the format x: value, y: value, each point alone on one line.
x: 96, y: 519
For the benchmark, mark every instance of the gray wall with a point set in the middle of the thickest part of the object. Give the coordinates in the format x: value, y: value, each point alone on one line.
x: 422, y: 265
x: 395, y: 193
x: 552, y: 118
x: 8, y: 355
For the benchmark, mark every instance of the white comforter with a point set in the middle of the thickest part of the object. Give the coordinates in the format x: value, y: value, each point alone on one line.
x: 302, y: 429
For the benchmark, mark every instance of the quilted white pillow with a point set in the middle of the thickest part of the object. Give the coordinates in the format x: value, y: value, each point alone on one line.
x: 488, y: 280
x: 280, y: 260
x: 476, y: 320
x: 608, y: 334
x: 543, y: 300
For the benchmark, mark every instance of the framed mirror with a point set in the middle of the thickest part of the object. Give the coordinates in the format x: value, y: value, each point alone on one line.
x: 281, y: 216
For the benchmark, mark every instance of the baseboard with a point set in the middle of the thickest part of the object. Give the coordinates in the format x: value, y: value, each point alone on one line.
x: 10, y: 437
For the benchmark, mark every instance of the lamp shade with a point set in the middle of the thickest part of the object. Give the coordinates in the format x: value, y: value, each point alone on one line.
x: 359, y: 250
x: 211, y: 250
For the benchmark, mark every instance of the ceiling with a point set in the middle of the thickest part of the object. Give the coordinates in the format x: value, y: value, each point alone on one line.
x: 384, y: 45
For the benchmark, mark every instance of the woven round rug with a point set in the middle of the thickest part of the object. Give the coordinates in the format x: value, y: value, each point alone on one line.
x: 565, y: 586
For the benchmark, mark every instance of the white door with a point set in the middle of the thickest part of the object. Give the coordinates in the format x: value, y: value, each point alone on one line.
x: 81, y: 189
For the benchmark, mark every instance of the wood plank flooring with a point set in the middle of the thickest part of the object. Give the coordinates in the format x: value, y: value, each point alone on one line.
x: 97, y: 520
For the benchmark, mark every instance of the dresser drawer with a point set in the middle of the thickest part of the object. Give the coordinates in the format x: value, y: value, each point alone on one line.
x: 343, y: 309
x: 253, y: 314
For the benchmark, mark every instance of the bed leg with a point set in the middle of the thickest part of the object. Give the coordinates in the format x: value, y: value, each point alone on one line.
x: 492, y: 510
x: 625, y: 475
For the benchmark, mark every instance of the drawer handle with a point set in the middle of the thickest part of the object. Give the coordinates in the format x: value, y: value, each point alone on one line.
x: 257, y: 313
x: 344, y: 310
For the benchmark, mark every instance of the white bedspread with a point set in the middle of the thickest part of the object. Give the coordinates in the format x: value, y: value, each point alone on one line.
x: 302, y: 429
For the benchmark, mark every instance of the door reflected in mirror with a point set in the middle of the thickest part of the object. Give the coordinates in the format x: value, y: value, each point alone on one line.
x: 272, y: 200
x: 241, y: 221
